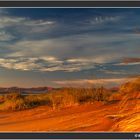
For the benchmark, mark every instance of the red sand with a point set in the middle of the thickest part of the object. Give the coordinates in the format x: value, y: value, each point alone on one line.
x: 87, y: 117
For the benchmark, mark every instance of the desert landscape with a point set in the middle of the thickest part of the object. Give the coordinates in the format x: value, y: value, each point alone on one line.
x: 72, y: 109
x: 69, y: 69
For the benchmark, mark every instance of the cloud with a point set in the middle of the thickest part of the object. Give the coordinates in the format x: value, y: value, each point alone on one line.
x: 6, y: 21
x: 93, y: 82
x: 90, y: 59
x: 113, y: 72
x: 21, y: 28
x: 127, y: 64
x: 73, y: 53
x: 43, y: 64
x: 6, y: 36
x: 9, y: 21
x: 104, y: 19
x: 74, y: 46
x: 61, y: 45
x: 17, y: 64
x: 39, y: 64
x: 129, y: 61
x: 26, y: 63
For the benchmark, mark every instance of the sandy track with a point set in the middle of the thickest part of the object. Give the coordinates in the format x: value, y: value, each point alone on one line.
x: 87, y: 117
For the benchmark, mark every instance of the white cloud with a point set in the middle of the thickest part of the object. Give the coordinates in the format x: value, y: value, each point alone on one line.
x: 7, y: 20
x: 92, y: 82
x: 43, y: 64
x: 40, y: 64
x: 114, y: 72
x: 67, y: 53
x: 6, y: 36
x: 62, y: 54
x: 104, y: 19
x: 68, y: 47
x: 10, y: 21
x: 129, y: 64
x: 7, y: 63
x: 17, y: 64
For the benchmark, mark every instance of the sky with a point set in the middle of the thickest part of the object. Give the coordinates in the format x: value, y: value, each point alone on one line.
x: 68, y: 46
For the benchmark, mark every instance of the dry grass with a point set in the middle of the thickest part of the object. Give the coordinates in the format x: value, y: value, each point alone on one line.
x: 123, y: 115
x: 128, y: 115
x: 56, y: 99
x: 97, y: 110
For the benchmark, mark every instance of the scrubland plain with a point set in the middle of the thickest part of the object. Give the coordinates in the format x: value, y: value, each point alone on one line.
x: 73, y: 109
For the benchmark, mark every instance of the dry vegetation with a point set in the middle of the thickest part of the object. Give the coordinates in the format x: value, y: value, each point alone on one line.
x: 56, y: 99
x: 118, y: 111
x: 128, y: 115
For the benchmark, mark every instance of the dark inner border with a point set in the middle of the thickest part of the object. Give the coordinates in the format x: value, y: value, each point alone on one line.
x: 69, y: 3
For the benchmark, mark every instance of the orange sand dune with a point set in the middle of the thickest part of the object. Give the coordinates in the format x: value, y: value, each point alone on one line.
x: 86, y: 117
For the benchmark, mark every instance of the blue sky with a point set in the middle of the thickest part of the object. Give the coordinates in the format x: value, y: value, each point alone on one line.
x: 68, y: 47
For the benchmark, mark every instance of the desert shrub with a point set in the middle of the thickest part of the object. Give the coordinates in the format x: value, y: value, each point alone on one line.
x: 65, y: 97
x: 12, y: 96
x: 12, y: 101
x: 128, y: 91
x: 71, y: 96
x: 102, y: 94
x: 16, y: 101
x: 115, y: 97
x: 132, y: 86
x: 56, y: 99
x: 83, y: 95
x: 1, y: 98
x: 60, y: 99
x: 13, y: 105
x: 35, y: 100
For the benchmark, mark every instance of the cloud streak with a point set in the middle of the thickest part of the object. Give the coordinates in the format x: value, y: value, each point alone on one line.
x: 93, y: 82
x: 44, y: 64
x: 104, y: 19
x: 74, y: 53
x: 6, y: 36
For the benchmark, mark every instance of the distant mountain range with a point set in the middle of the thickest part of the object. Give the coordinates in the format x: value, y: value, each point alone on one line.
x: 34, y: 90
